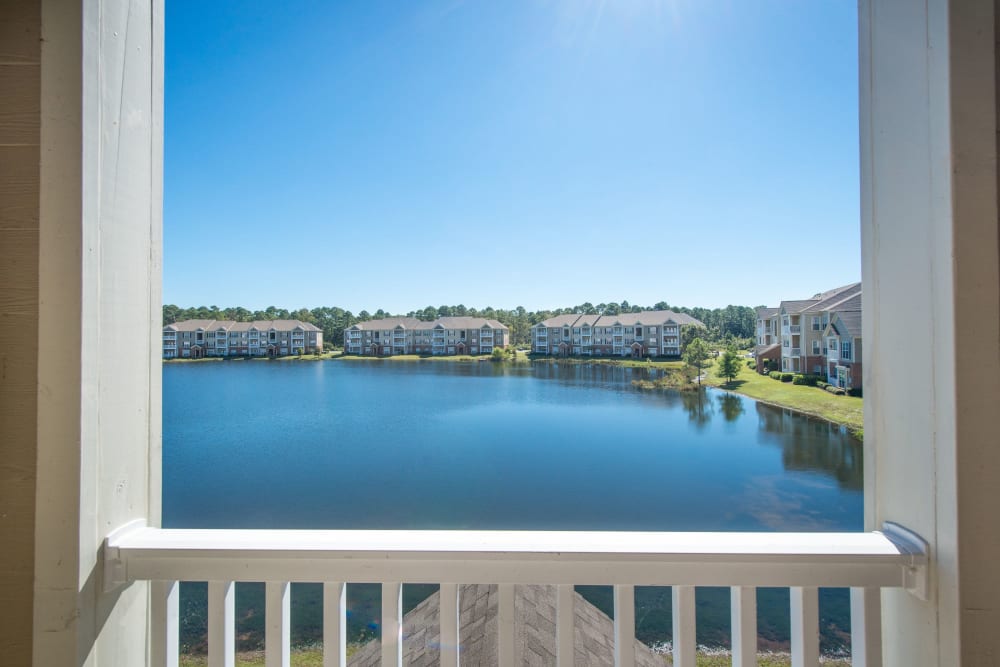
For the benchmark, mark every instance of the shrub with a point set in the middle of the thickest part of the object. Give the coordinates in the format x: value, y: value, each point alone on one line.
x: 822, y: 385
x: 856, y: 391
x: 775, y: 375
x: 751, y: 363
x: 787, y: 377
x: 799, y: 379
x: 835, y: 390
x: 806, y: 379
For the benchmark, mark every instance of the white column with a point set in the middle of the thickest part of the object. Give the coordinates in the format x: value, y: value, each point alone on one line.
x: 164, y: 621
x: 624, y: 626
x: 928, y: 101
x: 277, y: 624
x: 505, y: 625
x: 221, y: 624
x: 804, y: 626
x: 334, y: 624
x: 449, y: 601
x: 99, y: 329
x: 392, y: 624
x: 565, y: 644
x: 685, y: 647
x: 866, y: 627
x: 743, y: 615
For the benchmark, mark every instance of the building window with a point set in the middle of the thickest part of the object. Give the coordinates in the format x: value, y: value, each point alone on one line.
x: 845, y: 350
x: 815, y: 347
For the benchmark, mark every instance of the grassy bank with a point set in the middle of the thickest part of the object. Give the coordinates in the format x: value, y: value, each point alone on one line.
x: 846, y: 410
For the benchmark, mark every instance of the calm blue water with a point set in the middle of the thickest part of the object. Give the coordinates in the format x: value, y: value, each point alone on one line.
x: 356, y: 444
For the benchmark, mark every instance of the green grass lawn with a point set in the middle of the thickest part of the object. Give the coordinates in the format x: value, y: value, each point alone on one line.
x: 845, y: 410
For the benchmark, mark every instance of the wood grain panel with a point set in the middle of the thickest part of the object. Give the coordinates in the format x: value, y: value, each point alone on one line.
x: 20, y: 32
x: 19, y: 114
x: 18, y: 187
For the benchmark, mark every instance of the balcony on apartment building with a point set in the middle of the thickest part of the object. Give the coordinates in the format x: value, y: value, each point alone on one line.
x: 802, y: 562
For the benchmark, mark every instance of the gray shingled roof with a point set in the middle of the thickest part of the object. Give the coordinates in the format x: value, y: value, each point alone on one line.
x: 388, y: 323
x: 849, y: 322
x: 649, y: 318
x: 822, y: 296
x: 534, y: 632
x: 462, y: 322
x: 767, y: 313
x: 229, y: 325
x: 567, y: 320
x: 796, y: 307
x: 465, y: 322
x: 189, y: 325
x: 848, y: 298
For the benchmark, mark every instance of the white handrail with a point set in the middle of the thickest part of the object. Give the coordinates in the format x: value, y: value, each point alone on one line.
x: 547, y: 557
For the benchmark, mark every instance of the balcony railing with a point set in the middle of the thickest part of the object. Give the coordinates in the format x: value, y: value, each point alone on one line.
x: 802, y: 562
x: 795, y: 329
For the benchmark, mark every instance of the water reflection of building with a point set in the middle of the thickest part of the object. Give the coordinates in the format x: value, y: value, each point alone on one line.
x: 813, y: 445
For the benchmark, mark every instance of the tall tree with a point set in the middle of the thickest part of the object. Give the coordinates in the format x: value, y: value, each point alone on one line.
x: 696, y: 355
x: 729, y: 365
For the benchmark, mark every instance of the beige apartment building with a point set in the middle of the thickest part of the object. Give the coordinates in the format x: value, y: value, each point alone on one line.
x: 194, y: 339
x: 843, y: 344
x: 801, y: 333
x: 443, y: 336
x: 652, y: 333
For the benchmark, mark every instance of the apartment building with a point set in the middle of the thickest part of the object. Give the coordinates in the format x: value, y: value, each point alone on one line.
x: 194, y: 339
x: 768, y: 326
x: 808, y: 340
x: 843, y: 342
x: 652, y: 333
x: 443, y: 336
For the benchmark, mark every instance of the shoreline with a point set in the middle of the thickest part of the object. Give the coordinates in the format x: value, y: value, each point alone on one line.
x: 848, y: 415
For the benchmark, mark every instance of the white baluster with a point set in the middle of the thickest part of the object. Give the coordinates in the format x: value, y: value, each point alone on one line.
x: 335, y: 624
x: 624, y: 626
x: 505, y: 625
x: 392, y: 624
x: 221, y: 624
x: 743, y: 615
x: 164, y: 635
x: 866, y: 627
x: 565, y: 644
x: 277, y: 624
x: 448, y: 618
x: 805, y: 626
x: 684, y: 626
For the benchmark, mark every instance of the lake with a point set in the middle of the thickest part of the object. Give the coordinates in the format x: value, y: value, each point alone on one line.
x: 437, y: 444
x: 383, y: 444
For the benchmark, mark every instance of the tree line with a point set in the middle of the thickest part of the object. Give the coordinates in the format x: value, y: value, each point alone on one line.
x: 732, y: 323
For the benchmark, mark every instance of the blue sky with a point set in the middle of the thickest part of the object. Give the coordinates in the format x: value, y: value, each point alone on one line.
x: 541, y: 153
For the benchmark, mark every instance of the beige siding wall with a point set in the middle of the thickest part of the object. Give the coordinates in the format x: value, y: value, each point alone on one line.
x: 20, y: 26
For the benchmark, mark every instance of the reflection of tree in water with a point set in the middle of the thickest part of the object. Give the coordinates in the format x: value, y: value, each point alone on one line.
x: 813, y: 445
x: 699, y: 408
x: 731, y: 406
